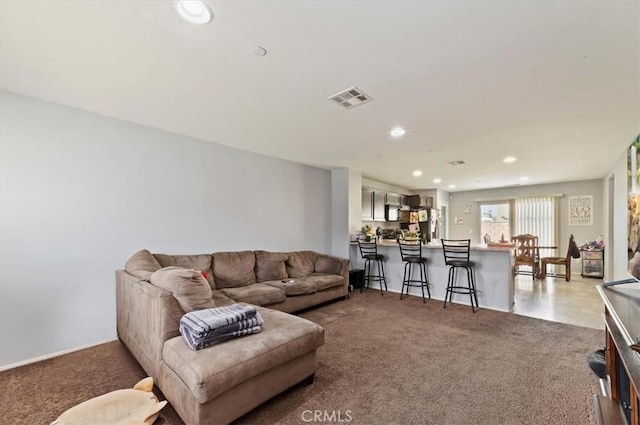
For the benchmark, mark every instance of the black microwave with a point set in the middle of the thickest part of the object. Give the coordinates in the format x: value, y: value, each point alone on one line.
x: 391, y: 212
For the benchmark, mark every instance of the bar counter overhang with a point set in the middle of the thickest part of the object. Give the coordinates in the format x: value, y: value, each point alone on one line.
x: 493, y: 271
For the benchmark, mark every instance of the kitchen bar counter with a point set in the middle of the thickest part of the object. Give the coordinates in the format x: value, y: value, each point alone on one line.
x: 493, y: 269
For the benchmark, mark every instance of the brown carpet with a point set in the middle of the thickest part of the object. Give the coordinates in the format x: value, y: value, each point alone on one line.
x: 385, y: 361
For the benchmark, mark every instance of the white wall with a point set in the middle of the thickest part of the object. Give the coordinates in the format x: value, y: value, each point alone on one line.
x: 616, y: 244
x: 471, y: 226
x: 81, y: 192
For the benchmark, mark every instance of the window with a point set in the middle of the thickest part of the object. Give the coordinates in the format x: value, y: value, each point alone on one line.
x: 536, y: 216
x: 494, y: 221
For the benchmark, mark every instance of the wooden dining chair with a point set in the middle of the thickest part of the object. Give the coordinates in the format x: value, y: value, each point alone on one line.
x: 526, y: 254
x: 572, y: 251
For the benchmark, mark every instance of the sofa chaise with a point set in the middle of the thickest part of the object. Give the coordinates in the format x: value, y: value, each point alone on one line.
x: 221, y: 383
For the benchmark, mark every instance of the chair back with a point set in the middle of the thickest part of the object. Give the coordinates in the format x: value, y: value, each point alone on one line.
x: 368, y: 248
x: 526, y: 248
x: 410, y: 250
x: 456, y: 251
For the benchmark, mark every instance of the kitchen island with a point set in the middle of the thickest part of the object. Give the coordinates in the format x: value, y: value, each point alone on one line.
x: 493, y: 271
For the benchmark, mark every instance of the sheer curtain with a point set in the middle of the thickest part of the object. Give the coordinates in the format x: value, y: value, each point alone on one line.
x: 537, y: 216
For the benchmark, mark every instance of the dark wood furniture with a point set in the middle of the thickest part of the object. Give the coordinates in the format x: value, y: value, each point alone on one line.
x: 620, y: 403
x: 558, y: 261
x: 526, y: 253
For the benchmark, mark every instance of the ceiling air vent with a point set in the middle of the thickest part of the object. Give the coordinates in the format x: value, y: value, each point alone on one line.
x: 350, y: 98
x: 456, y: 162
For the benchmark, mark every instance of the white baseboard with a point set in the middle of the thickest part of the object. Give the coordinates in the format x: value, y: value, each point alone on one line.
x: 49, y: 356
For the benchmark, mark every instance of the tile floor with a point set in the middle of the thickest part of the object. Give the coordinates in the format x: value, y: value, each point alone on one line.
x: 575, y: 302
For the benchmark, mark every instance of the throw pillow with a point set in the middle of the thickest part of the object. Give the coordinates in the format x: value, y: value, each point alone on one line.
x: 188, y: 286
x: 199, y: 262
x: 270, y: 266
x: 328, y: 264
x: 301, y: 263
x: 142, y: 264
x: 234, y: 269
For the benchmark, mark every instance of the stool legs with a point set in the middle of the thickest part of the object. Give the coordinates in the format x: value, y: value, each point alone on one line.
x: 380, y: 277
x: 408, y: 281
x: 453, y: 288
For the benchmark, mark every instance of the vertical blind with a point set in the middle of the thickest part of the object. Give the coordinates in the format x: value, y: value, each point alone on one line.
x: 536, y: 216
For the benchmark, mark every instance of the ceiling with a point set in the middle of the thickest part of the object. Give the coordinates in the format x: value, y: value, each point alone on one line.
x: 555, y: 84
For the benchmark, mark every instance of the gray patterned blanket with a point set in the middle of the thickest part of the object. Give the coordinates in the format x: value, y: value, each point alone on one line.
x: 203, y: 328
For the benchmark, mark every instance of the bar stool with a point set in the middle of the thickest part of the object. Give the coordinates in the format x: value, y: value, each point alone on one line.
x: 369, y: 252
x: 411, y: 254
x: 456, y: 256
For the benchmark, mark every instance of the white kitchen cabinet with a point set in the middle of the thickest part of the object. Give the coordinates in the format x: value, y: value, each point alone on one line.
x: 367, y: 204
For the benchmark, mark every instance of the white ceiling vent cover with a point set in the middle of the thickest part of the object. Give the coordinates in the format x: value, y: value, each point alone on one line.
x: 350, y: 98
x: 456, y: 162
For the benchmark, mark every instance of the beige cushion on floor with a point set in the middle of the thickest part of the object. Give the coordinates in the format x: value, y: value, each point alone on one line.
x: 188, y: 287
x: 213, y: 370
x: 324, y: 281
x: 137, y: 406
x: 257, y: 294
x: 291, y: 287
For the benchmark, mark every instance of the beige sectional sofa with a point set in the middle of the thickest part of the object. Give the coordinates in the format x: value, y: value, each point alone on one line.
x: 221, y: 383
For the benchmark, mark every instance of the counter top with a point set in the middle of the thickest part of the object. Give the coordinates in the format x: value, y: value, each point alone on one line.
x: 435, y: 245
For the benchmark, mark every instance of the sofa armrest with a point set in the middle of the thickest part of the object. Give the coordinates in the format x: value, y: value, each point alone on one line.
x: 339, y: 264
x: 147, y: 316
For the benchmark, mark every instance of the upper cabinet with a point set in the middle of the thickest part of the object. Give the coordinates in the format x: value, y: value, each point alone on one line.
x: 367, y: 204
x: 378, y: 206
x: 393, y: 199
x: 373, y: 203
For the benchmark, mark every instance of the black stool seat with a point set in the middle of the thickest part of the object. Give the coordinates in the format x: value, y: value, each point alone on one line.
x: 460, y: 263
x: 456, y: 256
x: 415, y: 259
x: 369, y: 252
x: 411, y: 254
x: 373, y: 257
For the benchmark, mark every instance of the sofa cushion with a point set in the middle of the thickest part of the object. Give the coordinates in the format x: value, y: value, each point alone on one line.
x: 324, y: 281
x: 291, y: 287
x: 328, y: 264
x: 301, y: 263
x: 200, y: 262
x: 188, y: 286
x: 220, y: 299
x: 142, y: 264
x: 234, y: 269
x: 212, y: 371
x: 257, y: 294
x: 270, y: 266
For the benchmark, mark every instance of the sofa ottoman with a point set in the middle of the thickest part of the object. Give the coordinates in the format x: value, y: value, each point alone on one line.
x: 220, y: 383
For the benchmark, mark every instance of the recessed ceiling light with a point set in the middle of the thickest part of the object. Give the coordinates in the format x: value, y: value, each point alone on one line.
x: 417, y: 173
x: 452, y: 186
x: 524, y: 178
x: 509, y: 159
x: 397, y: 132
x: 194, y: 11
x: 436, y: 181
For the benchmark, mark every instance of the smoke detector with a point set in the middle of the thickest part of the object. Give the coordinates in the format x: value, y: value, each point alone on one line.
x: 456, y: 162
x: 350, y: 98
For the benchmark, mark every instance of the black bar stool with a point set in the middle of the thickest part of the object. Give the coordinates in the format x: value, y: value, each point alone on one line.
x: 411, y: 254
x: 456, y: 256
x: 369, y: 252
